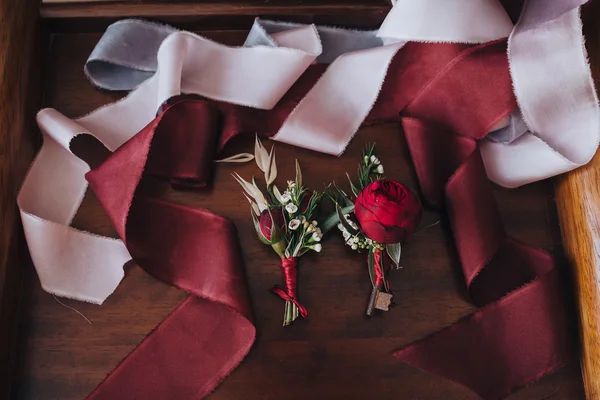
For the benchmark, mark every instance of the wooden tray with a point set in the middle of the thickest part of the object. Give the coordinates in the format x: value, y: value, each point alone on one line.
x: 48, y: 351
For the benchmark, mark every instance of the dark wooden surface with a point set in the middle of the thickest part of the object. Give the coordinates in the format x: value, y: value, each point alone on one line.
x: 337, y: 353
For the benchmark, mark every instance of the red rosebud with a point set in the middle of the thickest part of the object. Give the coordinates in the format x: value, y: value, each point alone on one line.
x: 387, y: 211
x: 271, y: 224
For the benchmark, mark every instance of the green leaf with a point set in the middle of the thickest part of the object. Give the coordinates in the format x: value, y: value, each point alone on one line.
x: 354, y: 189
x: 394, y: 251
x: 297, y: 249
x: 343, y: 221
x: 341, y: 196
x: 334, y: 219
x: 371, y: 267
x: 298, y: 175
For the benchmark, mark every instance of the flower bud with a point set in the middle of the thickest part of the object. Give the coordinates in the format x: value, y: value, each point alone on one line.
x: 271, y: 225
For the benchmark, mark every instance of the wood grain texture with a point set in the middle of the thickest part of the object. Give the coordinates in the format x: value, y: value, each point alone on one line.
x: 337, y: 353
x: 578, y: 203
x: 18, y: 24
x: 239, y: 14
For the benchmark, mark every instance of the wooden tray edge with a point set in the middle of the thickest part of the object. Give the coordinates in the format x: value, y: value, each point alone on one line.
x: 19, y: 96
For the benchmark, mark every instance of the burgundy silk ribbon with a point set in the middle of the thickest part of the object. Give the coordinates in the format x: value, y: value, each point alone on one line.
x: 446, y: 96
x: 211, y: 331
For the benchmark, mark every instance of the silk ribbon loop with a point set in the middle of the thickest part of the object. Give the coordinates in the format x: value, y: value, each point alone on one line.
x: 218, y: 306
x: 551, y: 134
x: 519, y: 286
x: 289, y: 267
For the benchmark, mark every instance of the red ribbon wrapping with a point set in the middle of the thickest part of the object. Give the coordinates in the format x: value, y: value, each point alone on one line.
x: 380, y: 280
x: 447, y: 96
x: 289, y: 267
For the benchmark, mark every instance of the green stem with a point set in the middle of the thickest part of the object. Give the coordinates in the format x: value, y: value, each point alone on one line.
x: 288, y: 313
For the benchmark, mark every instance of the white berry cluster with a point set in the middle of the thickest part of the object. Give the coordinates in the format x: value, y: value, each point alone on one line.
x: 311, y: 233
x: 358, y: 241
x: 287, y: 196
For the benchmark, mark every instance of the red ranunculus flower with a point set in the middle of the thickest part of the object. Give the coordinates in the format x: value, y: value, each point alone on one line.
x: 269, y: 227
x: 387, y: 211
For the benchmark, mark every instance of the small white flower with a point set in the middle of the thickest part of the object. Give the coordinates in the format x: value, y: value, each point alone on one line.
x: 380, y: 169
x: 369, y: 241
x: 354, y: 246
x: 316, y: 237
x: 291, y: 184
x: 346, y: 235
x: 317, y: 247
x: 318, y: 230
x: 315, y: 223
x: 341, y: 227
x: 375, y: 160
x: 285, y: 198
x: 355, y: 239
x: 294, y: 224
x: 310, y: 228
x: 291, y: 208
x: 302, y: 218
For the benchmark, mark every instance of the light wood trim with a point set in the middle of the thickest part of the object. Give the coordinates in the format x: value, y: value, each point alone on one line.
x: 578, y: 202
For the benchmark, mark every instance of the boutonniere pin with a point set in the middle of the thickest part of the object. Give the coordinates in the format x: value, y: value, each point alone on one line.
x: 286, y: 221
x: 378, y: 219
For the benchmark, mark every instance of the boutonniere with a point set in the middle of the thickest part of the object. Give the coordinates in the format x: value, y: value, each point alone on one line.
x: 378, y: 219
x: 286, y: 221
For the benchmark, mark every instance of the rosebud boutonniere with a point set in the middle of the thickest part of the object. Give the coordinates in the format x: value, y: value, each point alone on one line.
x: 286, y: 221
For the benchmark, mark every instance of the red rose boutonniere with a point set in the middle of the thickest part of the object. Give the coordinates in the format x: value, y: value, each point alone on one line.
x: 378, y: 219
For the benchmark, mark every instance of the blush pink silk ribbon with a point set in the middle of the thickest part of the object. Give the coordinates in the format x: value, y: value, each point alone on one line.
x: 563, y: 129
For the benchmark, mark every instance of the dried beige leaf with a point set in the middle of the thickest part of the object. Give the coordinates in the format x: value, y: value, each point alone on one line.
x: 261, y: 155
x: 277, y: 194
x: 238, y: 158
x: 298, y: 174
x: 253, y: 191
x: 271, y: 173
